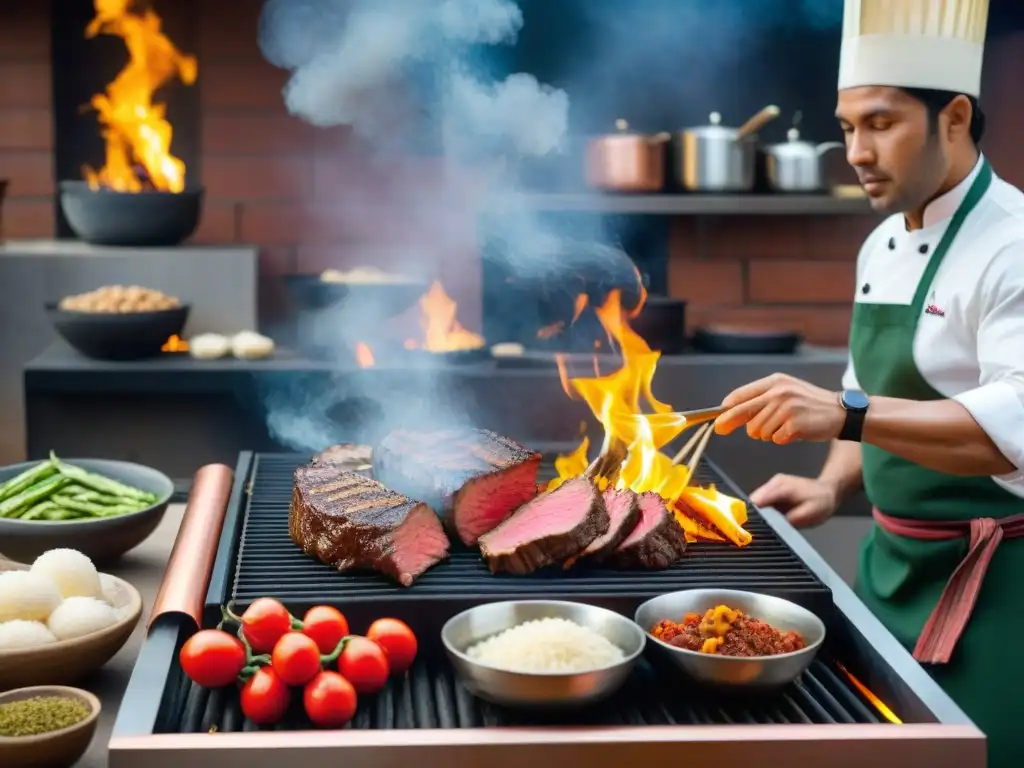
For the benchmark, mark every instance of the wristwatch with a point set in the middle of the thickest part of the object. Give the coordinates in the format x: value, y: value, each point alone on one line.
x: 855, y: 403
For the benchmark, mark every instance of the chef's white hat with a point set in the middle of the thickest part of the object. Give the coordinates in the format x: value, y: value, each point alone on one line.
x: 936, y: 44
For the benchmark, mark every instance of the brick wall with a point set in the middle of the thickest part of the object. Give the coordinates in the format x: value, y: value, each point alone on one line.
x: 26, y: 124
x: 275, y: 181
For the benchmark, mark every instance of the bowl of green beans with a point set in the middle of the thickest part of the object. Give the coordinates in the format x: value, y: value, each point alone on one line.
x: 101, y: 507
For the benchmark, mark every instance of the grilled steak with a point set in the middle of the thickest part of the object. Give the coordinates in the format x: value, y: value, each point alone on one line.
x: 348, y: 521
x: 655, y: 543
x: 473, y: 478
x: 549, y: 529
x: 623, y: 507
x: 346, y: 456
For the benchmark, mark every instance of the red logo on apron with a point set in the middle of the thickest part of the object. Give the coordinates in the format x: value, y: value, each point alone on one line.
x: 933, y: 309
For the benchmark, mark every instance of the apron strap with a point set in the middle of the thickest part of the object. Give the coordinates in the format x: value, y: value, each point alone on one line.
x: 948, y: 620
x: 978, y: 189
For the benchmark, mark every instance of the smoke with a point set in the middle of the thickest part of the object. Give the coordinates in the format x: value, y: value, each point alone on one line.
x: 397, y: 71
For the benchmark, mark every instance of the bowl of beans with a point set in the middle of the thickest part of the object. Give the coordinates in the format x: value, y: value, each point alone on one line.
x: 732, y: 638
x: 119, y: 322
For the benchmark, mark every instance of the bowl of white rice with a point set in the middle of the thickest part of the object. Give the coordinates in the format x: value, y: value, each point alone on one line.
x: 542, y: 654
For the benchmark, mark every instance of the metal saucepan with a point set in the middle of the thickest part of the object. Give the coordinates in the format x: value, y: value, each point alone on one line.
x: 796, y: 165
x: 715, y: 158
x: 626, y: 161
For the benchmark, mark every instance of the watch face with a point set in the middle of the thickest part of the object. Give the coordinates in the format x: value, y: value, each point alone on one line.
x: 854, y: 400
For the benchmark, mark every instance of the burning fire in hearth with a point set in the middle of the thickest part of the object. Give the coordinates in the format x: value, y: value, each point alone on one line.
x: 135, y: 130
x: 440, y: 325
x: 364, y: 355
x: 617, y: 401
x: 441, y: 330
x: 175, y: 344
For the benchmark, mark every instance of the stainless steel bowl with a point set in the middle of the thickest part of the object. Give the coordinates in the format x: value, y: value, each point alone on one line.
x: 732, y: 671
x: 546, y: 691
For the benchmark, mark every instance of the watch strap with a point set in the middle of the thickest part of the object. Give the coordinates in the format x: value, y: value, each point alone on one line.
x: 853, y: 427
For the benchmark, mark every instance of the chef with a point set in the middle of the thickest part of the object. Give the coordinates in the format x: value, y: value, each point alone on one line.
x: 930, y: 419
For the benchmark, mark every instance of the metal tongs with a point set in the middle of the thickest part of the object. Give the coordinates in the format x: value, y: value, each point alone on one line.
x: 690, y: 454
x: 700, y: 415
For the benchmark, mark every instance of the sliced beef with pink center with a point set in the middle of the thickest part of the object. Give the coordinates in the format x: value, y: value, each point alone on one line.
x: 656, y: 542
x: 349, y: 521
x: 549, y: 529
x: 473, y: 478
x: 623, y: 508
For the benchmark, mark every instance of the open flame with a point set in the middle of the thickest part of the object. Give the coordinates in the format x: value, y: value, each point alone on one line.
x: 175, y: 344
x: 364, y: 355
x: 440, y: 326
x: 617, y: 401
x: 136, y: 133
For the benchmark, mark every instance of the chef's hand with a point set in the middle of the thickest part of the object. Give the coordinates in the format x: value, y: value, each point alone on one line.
x: 782, y: 409
x: 805, y: 502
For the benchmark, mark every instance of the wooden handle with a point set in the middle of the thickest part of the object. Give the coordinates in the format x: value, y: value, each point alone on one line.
x: 757, y: 122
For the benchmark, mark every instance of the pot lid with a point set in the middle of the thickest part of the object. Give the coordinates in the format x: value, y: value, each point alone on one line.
x: 715, y: 129
x: 794, y: 146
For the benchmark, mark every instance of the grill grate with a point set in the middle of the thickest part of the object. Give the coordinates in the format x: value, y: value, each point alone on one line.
x: 430, y: 697
x: 270, y: 565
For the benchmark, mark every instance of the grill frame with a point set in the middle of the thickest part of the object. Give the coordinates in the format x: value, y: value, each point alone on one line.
x: 866, y: 648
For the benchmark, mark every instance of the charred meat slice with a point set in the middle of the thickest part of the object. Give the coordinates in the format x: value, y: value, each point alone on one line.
x: 349, y: 521
x: 656, y: 542
x: 549, y: 529
x: 623, y: 507
x: 351, y: 456
x: 473, y: 478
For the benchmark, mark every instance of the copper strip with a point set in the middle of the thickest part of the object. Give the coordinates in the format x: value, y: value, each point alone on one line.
x: 823, y: 746
x: 183, y: 589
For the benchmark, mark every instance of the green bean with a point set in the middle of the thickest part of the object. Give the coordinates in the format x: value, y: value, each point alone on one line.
x: 26, y: 479
x: 41, y: 491
x: 37, y: 511
x: 90, y: 509
x: 59, y: 513
x: 99, y: 483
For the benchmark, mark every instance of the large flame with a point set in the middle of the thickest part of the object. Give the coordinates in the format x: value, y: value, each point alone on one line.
x: 617, y: 400
x: 440, y: 326
x: 135, y: 130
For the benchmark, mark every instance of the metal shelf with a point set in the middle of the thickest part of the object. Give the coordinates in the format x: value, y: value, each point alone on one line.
x: 701, y: 205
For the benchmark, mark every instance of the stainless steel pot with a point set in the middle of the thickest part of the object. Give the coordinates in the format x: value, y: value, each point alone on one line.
x: 796, y: 165
x: 626, y: 161
x: 714, y: 158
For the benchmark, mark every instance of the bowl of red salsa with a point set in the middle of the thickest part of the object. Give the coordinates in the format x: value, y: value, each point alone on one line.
x: 732, y: 638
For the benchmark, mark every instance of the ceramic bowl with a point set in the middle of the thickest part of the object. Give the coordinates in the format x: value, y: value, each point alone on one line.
x: 67, y: 661
x: 57, y: 749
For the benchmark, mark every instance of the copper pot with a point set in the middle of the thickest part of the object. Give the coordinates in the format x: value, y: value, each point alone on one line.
x: 626, y: 161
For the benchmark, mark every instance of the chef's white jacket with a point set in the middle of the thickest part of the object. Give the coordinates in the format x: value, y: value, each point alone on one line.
x: 970, y: 347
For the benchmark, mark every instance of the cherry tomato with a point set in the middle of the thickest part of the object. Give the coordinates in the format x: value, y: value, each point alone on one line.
x: 330, y: 700
x: 264, y: 622
x: 364, y: 664
x: 326, y: 626
x: 212, y: 658
x: 296, y: 659
x: 397, y: 640
x: 265, y: 697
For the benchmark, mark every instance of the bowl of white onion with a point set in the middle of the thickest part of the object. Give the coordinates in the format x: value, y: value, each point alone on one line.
x: 60, y: 619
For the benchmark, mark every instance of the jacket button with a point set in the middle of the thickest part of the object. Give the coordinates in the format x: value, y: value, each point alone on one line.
x: 922, y: 249
x: 892, y: 243
x: 866, y: 288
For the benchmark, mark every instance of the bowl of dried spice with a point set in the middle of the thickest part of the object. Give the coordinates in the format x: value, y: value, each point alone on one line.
x: 47, y: 725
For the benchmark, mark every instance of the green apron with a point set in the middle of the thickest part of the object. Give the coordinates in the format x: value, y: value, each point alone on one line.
x: 901, y: 579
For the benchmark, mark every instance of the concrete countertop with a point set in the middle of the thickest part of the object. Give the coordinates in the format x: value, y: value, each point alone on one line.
x: 143, y: 567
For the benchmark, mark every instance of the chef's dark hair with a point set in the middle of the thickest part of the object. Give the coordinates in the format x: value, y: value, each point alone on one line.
x: 935, y: 101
